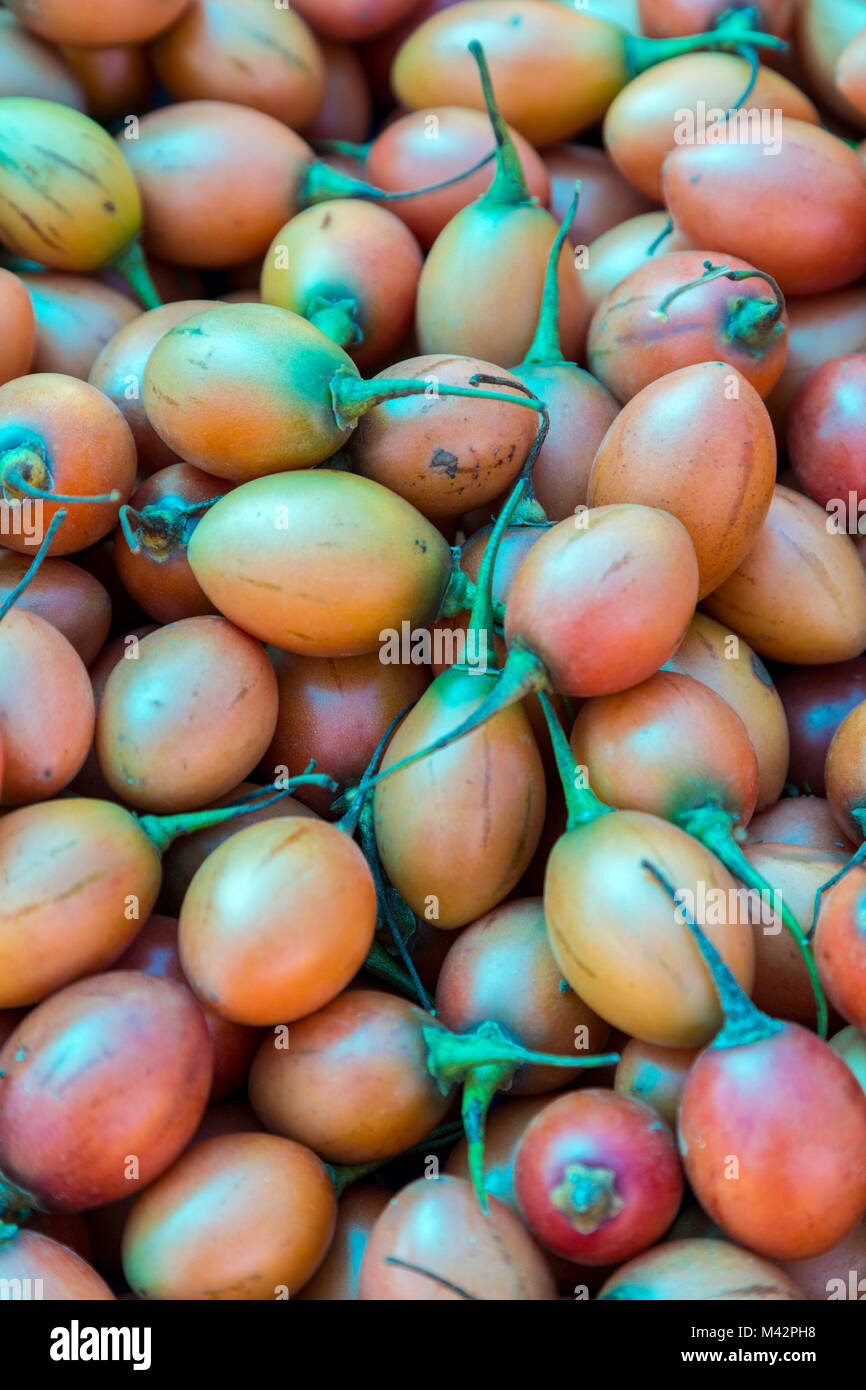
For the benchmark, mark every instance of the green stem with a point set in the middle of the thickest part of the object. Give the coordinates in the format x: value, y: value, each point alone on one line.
x: 858, y: 814
x: 545, y: 346
x: 744, y: 1023
x: 160, y: 526
x: 642, y: 53
x: 378, y: 962
x: 16, y: 1204
x: 18, y: 467
x: 352, y: 396
x: 509, y: 183
x: 54, y: 525
x: 130, y: 263
x: 346, y: 147
x: 163, y: 830
x: 581, y: 803
x: 485, y: 1061
x: 337, y: 319
x: 321, y: 183
x: 662, y: 236
x: 750, y: 54
x: 752, y: 321
x: 712, y: 826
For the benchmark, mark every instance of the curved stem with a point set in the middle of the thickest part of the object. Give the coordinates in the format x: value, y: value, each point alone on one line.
x: 481, y: 614
x: 130, y: 263
x: 485, y: 1061
x: 352, y: 396
x: 13, y: 478
x: 712, y: 826
x: 162, y: 830
x: 321, y: 183
x: 856, y: 858
x: 663, y: 234
x: 350, y: 819
x: 545, y: 346
x: 744, y: 1023
x: 581, y: 803
x: 380, y: 963
x: 716, y: 272
x: 749, y: 53
x: 642, y: 53
x: 437, y: 1278
x: 387, y: 896
x: 509, y: 183
x: 54, y: 526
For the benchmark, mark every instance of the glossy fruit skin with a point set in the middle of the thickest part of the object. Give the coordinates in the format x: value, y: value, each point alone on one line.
x: 346, y: 111
x: 707, y: 1271
x: 824, y: 29
x: 116, y: 80
x: 154, y: 951
x: 189, y: 719
x: 782, y: 986
x: 255, y: 54
x: 698, y: 443
x: 85, y: 443
x: 71, y: 228
x: 427, y: 146
x: 348, y: 249
x: 336, y: 1279
x: 800, y: 593
x: 828, y: 1277
x: 598, y: 1135
x: 299, y: 586
x: 826, y: 440
x: 185, y: 857
x: 343, y: 19
x: 136, y: 21
x: 624, y: 741
x: 554, y: 78
x: 606, y: 198
x: 820, y: 327
x: 353, y: 1082
x: 295, y: 937
x: 816, y: 700
x: 64, y: 595
x: 850, y: 1044
x: 840, y: 946
x: 800, y: 820
x: 17, y: 327
x: 260, y: 378
x: 845, y: 772
x: 445, y: 455
x: 802, y: 1171
x: 644, y: 120
x: 501, y: 967
x: 46, y: 709
x: 46, y: 848
x: 184, y: 159
x: 335, y: 711
x: 119, y: 369
x: 726, y: 195
x: 615, y: 254
x: 62, y: 1275
x: 482, y: 281
x: 581, y: 411
x: 439, y: 1226
x: 75, y: 318
x: 629, y: 346
x: 457, y: 829
x: 655, y: 1076
x: 594, y: 875
x: 725, y: 663
x: 31, y: 68
x: 559, y: 609
x: 157, y: 576
x: 134, y: 1057
x: 241, y: 1216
